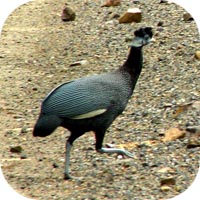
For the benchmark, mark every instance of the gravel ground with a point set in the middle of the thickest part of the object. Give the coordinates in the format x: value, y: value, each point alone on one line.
x: 36, y: 53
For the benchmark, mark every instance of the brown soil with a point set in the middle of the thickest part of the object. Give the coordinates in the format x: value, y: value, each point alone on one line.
x: 36, y: 51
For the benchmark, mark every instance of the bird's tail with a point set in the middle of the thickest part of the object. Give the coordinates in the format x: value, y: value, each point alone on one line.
x: 45, y: 125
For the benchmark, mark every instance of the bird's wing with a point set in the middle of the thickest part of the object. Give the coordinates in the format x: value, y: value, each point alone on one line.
x: 79, y: 99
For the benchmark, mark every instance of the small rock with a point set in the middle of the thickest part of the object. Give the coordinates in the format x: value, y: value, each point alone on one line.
x: 178, y: 188
x: 165, y: 1
x: 120, y: 156
x: 23, y: 156
x: 34, y: 89
x: 115, y: 16
x: 16, y: 149
x: 194, y: 141
x: 68, y: 14
x: 160, y: 23
x: 197, y: 55
x: 132, y: 15
x: 81, y: 62
x: 24, y: 130
x: 145, y: 164
x: 160, y: 29
x: 173, y: 134
x: 55, y: 165
x: 136, y: 1
x: 109, y: 3
x: 165, y: 188
x: 165, y: 170
x: 187, y: 17
x: 196, y: 105
x: 9, y: 132
x: 133, y: 170
x: 168, y: 181
x: 193, y: 129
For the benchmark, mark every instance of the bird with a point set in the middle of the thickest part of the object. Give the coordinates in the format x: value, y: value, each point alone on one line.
x: 92, y: 103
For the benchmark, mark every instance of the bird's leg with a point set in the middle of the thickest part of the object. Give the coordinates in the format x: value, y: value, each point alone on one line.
x: 74, y: 135
x: 67, y: 161
x: 100, y: 149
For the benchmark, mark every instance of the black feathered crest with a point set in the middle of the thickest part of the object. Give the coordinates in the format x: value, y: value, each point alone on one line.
x: 144, y: 31
x: 143, y: 36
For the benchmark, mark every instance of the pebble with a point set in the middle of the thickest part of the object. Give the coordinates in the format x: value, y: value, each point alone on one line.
x: 193, y: 129
x: 68, y: 14
x: 115, y: 16
x: 193, y: 142
x: 168, y: 181
x: 165, y: 1
x: 16, y: 149
x: 160, y: 23
x: 165, y: 170
x: 24, y: 130
x: 23, y: 156
x: 197, y: 55
x: 187, y: 17
x: 81, y: 62
x: 165, y: 188
x: 55, y: 165
x: 109, y: 3
x: 136, y: 1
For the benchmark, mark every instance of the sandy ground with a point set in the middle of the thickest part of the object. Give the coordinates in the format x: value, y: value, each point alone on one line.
x: 36, y: 52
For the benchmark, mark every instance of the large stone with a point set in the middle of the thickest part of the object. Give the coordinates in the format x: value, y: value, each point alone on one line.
x: 132, y: 15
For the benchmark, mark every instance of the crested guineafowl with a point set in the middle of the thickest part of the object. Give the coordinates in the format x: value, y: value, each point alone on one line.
x: 93, y: 103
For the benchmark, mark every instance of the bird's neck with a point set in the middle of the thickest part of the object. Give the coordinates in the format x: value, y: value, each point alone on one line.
x: 134, y: 62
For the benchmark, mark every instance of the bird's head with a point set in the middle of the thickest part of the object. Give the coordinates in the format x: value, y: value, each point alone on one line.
x: 143, y: 36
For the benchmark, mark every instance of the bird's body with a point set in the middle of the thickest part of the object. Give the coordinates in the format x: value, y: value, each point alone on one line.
x: 91, y: 103
x: 88, y: 96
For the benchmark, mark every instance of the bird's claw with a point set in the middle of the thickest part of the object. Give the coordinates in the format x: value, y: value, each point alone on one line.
x: 127, y: 153
x: 69, y: 177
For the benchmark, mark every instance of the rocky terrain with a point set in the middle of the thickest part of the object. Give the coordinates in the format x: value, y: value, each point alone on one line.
x: 39, y: 51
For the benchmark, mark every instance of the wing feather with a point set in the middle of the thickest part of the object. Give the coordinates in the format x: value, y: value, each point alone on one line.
x: 77, y: 98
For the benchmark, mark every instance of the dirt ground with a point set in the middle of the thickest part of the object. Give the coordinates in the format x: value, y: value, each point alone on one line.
x: 36, y: 52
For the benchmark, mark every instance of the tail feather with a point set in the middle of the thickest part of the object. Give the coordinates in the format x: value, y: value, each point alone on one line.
x: 45, y: 125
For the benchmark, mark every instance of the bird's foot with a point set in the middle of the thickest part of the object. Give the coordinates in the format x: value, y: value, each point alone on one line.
x: 127, y: 153
x: 69, y: 177
x: 116, y: 150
